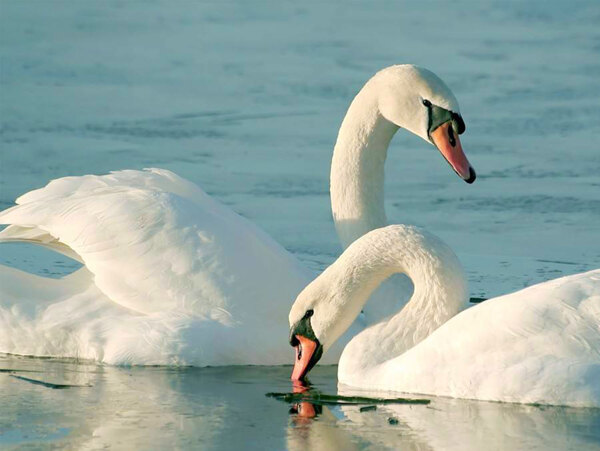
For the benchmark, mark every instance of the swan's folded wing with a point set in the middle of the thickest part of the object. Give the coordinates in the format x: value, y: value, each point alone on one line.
x: 538, y: 345
x: 155, y: 242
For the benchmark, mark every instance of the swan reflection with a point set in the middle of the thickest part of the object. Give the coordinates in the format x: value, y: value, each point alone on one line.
x: 444, y: 424
x: 314, y: 426
x: 226, y: 408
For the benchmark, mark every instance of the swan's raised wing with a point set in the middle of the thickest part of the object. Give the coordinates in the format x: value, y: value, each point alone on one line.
x: 156, y: 242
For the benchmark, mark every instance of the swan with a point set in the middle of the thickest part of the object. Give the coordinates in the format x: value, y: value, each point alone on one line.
x: 170, y: 275
x: 538, y: 345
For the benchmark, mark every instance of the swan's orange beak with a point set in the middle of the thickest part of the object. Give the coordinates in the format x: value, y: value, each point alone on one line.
x: 308, y: 352
x: 448, y: 143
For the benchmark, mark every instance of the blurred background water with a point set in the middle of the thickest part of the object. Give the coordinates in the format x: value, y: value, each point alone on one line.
x: 245, y: 99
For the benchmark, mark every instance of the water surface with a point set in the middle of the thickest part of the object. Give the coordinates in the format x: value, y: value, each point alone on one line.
x: 226, y: 408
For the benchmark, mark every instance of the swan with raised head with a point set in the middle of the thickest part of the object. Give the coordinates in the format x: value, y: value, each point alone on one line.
x: 398, y: 96
x: 537, y: 345
x: 170, y: 275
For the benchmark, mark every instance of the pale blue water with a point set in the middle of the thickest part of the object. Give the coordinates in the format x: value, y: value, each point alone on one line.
x: 226, y: 409
x: 245, y: 99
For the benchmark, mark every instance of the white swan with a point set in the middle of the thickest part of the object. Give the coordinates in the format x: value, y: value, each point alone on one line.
x: 173, y: 277
x: 538, y: 345
x: 399, y: 96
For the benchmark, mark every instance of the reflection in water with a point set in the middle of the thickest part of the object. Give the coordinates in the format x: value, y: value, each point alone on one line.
x: 314, y: 427
x: 118, y: 407
x: 459, y: 424
x: 445, y: 424
x: 226, y: 408
x: 139, y: 408
x: 319, y: 433
x: 303, y: 410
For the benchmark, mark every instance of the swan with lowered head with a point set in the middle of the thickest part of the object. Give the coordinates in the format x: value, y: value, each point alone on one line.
x: 173, y: 277
x: 537, y: 345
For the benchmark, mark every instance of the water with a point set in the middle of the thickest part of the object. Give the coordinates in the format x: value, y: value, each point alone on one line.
x: 245, y: 100
x: 226, y: 408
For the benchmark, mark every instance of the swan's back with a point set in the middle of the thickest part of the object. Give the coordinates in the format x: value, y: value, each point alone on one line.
x: 538, y: 345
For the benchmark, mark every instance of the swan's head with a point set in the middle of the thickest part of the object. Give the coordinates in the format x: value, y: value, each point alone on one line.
x: 419, y: 101
x: 305, y: 332
x: 324, y: 310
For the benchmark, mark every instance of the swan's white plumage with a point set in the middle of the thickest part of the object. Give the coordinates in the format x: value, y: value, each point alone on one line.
x: 176, y: 277
x: 392, y: 98
x: 537, y: 345
x: 156, y: 242
x: 162, y: 256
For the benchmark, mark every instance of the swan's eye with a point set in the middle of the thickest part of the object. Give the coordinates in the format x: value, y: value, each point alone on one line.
x: 309, y: 313
x: 427, y: 103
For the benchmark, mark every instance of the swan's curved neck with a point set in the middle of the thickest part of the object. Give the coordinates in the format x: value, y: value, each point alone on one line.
x: 357, y: 168
x: 440, y: 289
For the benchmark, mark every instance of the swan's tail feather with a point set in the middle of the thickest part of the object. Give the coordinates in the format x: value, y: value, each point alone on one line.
x: 36, y: 235
x: 29, y: 313
x: 69, y: 317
